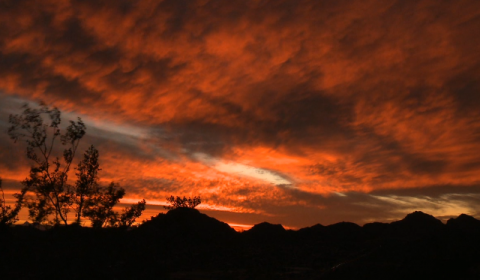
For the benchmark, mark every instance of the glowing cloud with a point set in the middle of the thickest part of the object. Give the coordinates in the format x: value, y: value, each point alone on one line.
x: 294, y: 109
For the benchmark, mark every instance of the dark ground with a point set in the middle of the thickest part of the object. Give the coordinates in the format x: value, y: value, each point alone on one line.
x: 185, y: 244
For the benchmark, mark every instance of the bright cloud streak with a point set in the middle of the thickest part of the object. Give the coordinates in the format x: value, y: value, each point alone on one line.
x: 242, y: 170
x: 444, y: 207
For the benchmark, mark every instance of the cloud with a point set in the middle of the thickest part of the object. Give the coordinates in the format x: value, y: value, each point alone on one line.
x: 331, y: 97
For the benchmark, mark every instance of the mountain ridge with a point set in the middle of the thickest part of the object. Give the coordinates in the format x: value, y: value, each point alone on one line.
x: 187, y: 244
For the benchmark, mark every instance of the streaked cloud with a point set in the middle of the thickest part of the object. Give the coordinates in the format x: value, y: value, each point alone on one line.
x: 288, y: 108
x: 242, y: 170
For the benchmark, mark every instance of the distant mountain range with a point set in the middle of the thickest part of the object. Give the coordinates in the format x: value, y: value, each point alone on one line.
x: 417, y: 224
x: 186, y: 244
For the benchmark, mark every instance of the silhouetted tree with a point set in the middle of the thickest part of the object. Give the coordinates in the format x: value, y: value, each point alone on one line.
x: 178, y: 202
x: 96, y: 203
x: 99, y: 206
x: 131, y: 213
x: 87, y: 180
x: 48, y: 179
x: 8, y: 215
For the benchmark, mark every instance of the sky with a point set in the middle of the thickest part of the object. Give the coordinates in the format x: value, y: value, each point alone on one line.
x: 295, y: 112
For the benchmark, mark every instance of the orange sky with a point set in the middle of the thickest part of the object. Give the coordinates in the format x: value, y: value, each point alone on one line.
x: 294, y: 112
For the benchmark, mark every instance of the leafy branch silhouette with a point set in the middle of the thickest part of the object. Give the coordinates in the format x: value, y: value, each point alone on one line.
x: 178, y: 202
x: 54, y: 197
x: 9, y: 215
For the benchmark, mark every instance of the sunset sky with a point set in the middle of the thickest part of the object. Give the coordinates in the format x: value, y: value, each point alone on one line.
x: 293, y: 112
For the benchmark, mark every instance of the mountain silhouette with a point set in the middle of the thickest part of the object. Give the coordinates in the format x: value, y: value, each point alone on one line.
x: 313, y: 231
x: 187, y: 222
x: 186, y: 244
x: 266, y: 229
x: 375, y: 228
x: 343, y: 229
x: 334, y: 231
x: 418, y: 218
x: 464, y: 223
x: 265, y: 233
x: 416, y: 247
x: 416, y: 224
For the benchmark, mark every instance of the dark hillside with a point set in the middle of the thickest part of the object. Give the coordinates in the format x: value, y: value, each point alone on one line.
x: 186, y: 244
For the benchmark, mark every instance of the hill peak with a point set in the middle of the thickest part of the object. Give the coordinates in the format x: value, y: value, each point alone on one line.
x: 266, y: 230
x: 464, y: 222
x: 181, y: 220
x: 266, y: 226
x: 419, y: 216
x: 417, y: 223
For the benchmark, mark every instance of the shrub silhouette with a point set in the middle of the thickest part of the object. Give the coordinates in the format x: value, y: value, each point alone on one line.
x: 54, y: 197
x: 178, y: 202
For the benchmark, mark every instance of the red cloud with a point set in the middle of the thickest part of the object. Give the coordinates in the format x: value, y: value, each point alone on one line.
x: 332, y: 97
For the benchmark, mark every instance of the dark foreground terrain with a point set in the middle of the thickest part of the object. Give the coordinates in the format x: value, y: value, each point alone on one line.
x: 185, y: 244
